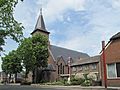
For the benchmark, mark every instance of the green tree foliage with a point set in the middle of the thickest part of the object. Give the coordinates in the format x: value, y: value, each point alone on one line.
x: 40, y: 50
x: 34, y: 52
x: 25, y: 53
x: 9, y: 27
x: 11, y: 64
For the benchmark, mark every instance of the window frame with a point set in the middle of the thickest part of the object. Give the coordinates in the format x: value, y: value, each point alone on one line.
x: 115, y: 71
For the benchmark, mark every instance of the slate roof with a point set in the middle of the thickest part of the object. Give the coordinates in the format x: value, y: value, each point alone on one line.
x: 116, y: 36
x: 87, y: 60
x: 65, y: 53
x: 40, y: 25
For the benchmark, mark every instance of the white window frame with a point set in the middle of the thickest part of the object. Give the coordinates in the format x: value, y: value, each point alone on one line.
x: 115, y: 72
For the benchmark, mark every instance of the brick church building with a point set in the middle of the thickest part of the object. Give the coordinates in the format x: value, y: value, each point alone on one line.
x: 58, y: 56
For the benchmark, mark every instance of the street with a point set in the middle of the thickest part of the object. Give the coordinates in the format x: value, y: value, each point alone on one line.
x: 27, y: 87
x: 18, y: 87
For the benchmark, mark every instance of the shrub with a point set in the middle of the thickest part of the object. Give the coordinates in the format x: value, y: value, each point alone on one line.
x: 86, y: 83
x: 84, y: 80
x: 92, y: 76
x: 87, y: 80
x: 25, y: 83
x: 60, y: 82
x: 76, y: 81
x: 43, y: 81
x: 57, y: 83
x: 2, y: 81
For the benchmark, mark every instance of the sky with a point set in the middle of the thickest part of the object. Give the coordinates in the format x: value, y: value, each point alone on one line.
x: 78, y: 25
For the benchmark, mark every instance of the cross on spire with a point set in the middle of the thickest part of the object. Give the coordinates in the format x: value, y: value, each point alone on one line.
x: 41, y: 11
x: 41, y: 8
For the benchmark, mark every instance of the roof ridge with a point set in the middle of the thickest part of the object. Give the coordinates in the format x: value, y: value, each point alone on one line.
x: 116, y: 36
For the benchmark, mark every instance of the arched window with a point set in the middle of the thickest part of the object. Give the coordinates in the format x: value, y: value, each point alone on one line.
x: 63, y: 69
x: 68, y: 69
x: 58, y: 69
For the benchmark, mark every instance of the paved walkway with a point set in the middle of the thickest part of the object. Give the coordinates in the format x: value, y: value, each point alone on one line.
x: 79, y: 87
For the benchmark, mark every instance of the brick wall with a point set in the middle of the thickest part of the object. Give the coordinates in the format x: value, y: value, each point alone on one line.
x: 112, y: 54
x: 89, y: 70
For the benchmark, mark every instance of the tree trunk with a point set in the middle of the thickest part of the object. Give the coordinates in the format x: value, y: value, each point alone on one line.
x: 26, y: 73
x: 9, y: 78
x: 6, y: 76
x: 35, y: 76
x: 15, y: 77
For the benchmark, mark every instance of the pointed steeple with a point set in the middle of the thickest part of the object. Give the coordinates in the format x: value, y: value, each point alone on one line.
x: 40, y: 25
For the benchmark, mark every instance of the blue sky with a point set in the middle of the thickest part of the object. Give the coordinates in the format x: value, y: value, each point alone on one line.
x: 79, y: 25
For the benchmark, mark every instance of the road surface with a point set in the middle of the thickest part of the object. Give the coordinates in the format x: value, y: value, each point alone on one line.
x: 18, y: 87
x: 27, y: 87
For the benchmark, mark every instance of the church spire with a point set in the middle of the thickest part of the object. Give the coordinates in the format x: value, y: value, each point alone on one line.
x: 40, y: 25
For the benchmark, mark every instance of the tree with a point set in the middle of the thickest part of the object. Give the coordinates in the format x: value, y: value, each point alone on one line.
x: 11, y: 64
x: 34, y: 52
x: 26, y: 54
x: 40, y: 50
x: 9, y: 27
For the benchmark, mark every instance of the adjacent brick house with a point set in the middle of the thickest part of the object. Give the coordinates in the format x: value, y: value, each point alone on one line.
x: 112, y: 55
x: 58, y: 57
x: 88, y: 66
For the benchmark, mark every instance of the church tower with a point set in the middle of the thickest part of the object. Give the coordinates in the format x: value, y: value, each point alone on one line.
x: 40, y: 26
x: 41, y: 29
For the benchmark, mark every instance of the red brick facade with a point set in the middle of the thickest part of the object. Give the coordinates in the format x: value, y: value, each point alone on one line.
x: 112, y: 56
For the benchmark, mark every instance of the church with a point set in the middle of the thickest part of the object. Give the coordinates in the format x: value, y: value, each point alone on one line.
x: 58, y: 57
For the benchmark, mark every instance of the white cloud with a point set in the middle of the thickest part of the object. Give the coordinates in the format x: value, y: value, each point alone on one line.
x: 68, y: 19
x: 79, y: 41
x: 54, y: 10
x: 26, y: 14
x: 104, y: 22
x: 116, y: 4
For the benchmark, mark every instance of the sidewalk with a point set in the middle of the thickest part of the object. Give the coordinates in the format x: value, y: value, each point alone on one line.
x: 10, y: 84
x: 78, y: 87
